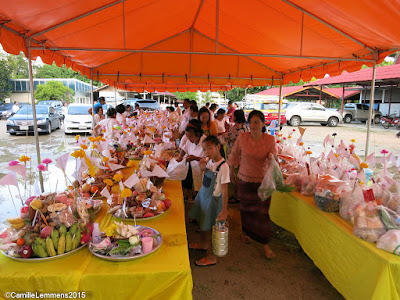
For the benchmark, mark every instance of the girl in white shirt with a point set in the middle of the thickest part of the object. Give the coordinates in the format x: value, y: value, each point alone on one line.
x: 121, y: 118
x: 192, y: 150
x: 211, y: 203
x: 106, y: 126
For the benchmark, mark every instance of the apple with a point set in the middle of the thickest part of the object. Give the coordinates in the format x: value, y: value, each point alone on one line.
x: 46, y: 231
x: 167, y: 202
x: 25, y: 251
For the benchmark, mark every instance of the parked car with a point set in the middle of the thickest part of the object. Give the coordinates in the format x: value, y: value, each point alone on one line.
x: 270, y: 111
x: 6, y: 109
x: 359, y: 112
x: 78, y: 119
x: 107, y: 107
x: 53, y: 103
x: 311, y: 112
x: 146, y: 104
x: 22, y: 121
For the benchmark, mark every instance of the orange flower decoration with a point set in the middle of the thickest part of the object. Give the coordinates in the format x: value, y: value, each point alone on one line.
x: 84, y: 147
x: 24, y: 158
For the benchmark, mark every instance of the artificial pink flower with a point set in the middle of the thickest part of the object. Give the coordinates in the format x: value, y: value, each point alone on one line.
x: 29, y: 200
x: 284, y: 138
x: 384, y: 151
x: 13, y: 163
x: 41, y: 167
x: 47, y: 161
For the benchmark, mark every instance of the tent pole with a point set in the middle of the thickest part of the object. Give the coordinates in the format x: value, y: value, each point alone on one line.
x: 342, y: 105
x: 280, y: 105
x: 32, y: 90
x: 390, y: 99
x: 91, y: 96
x: 115, y: 95
x: 371, y: 107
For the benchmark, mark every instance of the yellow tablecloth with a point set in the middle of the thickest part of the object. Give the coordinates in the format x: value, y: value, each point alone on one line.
x: 357, y: 269
x: 165, y: 274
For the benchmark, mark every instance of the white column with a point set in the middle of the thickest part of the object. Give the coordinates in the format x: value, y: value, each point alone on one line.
x: 371, y: 107
x: 280, y: 105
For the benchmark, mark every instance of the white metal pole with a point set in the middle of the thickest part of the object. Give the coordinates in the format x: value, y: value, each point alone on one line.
x: 371, y: 107
x: 32, y: 92
x: 91, y: 97
x: 115, y: 96
x: 280, y: 105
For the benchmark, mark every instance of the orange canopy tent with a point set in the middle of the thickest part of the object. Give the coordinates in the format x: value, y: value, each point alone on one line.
x: 202, y: 44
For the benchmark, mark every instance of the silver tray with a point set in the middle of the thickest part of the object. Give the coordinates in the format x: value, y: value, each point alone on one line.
x: 42, y: 259
x: 159, y: 241
x: 140, y: 219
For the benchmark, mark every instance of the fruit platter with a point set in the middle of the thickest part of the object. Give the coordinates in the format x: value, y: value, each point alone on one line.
x: 145, y: 202
x: 122, y: 242
x: 50, y: 226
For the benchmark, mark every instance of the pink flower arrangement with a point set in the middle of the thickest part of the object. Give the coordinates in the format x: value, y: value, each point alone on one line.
x: 13, y: 163
x: 41, y: 167
x: 47, y: 161
x: 384, y: 151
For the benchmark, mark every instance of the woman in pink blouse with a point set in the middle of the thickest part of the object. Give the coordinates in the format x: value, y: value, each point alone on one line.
x: 251, y: 153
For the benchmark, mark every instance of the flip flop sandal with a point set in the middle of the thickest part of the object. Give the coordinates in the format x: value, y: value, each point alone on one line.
x: 204, y: 262
x: 196, y: 247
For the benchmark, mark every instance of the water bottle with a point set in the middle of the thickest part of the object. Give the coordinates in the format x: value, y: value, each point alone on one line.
x: 220, y: 232
x: 96, y: 234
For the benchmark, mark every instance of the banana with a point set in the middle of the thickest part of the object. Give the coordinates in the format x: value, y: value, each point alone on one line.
x: 39, y: 250
x: 73, y: 228
x: 68, y: 242
x: 17, y: 226
x: 50, y: 247
x: 55, y: 237
x: 78, y: 236
x: 76, y: 239
x: 63, y: 229
x: 40, y: 241
x: 61, y: 245
x: 15, y: 221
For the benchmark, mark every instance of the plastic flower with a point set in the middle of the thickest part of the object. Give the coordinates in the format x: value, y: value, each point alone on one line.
x: 337, y: 155
x: 105, y: 159
x: 126, y: 193
x: 109, y: 182
x: 117, y: 177
x: 301, y: 144
x: 78, y: 153
x: 148, y: 152
x: 24, y: 158
x: 353, y: 140
x: 364, y: 165
x: 41, y: 167
x: 77, y: 137
x: 94, y: 146
x: 361, y: 182
x: 309, y: 152
x: 84, y: 147
x: 384, y: 151
x: 47, y: 161
x: 130, y: 163
x: 92, y: 139
x: 13, y: 163
x: 278, y: 141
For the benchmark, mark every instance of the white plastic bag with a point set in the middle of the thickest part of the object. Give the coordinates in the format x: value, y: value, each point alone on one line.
x: 273, y: 179
x: 367, y: 222
x: 177, y: 170
x: 390, y: 242
x: 348, y: 201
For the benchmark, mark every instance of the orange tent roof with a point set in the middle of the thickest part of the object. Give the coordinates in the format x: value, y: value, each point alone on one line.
x: 180, y: 44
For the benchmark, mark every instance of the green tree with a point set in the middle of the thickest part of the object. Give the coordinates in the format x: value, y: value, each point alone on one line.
x: 188, y: 95
x: 18, y: 65
x: 54, y: 90
x: 5, y: 85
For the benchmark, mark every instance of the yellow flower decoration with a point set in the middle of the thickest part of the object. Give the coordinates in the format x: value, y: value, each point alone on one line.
x: 77, y: 137
x: 337, y: 155
x: 108, y: 182
x: 130, y: 163
x: 364, y: 165
x: 126, y: 193
x: 117, y: 177
x: 94, y: 146
x: 301, y: 143
x: 84, y: 147
x: 105, y: 159
x: 353, y: 140
x: 361, y: 182
x: 78, y: 153
x: 163, y: 127
x: 24, y: 158
x: 111, y: 230
x: 103, y: 130
x: 309, y: 152
x: 148, y: 152
x: 92, y: 139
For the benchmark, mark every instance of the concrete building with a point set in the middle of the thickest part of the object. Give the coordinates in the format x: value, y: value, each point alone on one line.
x: 20, y: 88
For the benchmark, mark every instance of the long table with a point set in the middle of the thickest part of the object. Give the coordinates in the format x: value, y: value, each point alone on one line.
x: 356, y: 268
x: 164, y: 274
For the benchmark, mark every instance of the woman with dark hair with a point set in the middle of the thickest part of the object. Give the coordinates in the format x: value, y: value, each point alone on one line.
x: 107, y: 125
x: 121, y: 119
x: 220, y: 120
x: 192, y: 150
x: 251, y: 153
x: 208, y: 126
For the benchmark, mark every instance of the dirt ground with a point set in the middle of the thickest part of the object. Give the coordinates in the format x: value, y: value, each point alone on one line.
x: 245, y: 273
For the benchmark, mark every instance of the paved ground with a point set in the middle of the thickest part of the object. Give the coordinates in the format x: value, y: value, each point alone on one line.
x: 244, y: 273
